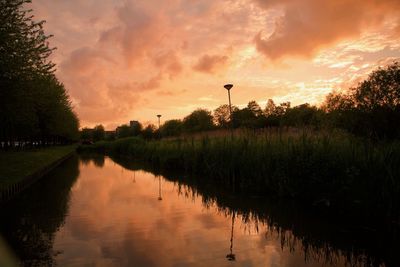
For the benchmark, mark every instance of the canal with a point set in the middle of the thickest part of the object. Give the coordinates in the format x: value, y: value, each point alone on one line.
x: 98, y: 211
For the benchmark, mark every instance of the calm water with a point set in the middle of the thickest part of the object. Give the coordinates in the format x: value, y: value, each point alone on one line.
x: 96, y: 212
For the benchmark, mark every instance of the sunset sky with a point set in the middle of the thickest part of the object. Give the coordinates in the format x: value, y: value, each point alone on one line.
x: 124, y: 60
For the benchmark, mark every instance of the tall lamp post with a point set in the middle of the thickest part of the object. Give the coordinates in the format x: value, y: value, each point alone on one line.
x: 229, y: 87
x: 159, y: 116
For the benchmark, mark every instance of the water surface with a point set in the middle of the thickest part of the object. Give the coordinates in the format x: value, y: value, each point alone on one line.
x: 96, y: 212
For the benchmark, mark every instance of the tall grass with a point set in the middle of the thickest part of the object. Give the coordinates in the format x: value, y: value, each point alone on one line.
x: 324, y: 168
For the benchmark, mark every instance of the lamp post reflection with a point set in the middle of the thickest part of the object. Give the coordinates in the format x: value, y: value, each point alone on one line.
x: 231, y: 256
x: 159, y: 188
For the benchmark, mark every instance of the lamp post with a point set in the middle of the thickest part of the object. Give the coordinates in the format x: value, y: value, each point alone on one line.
x: 229, y: 87
x: 159, y: 116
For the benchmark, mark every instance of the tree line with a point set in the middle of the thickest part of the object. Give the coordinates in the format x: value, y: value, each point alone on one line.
x: 35, y: 108
x: 371, y: 109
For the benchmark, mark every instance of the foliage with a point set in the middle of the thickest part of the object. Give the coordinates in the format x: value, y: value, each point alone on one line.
x: 222, y: 115
x: 302, y: 115
x: 149, y: 131
x: 372, y: 108
x: 198, y: 120
x: 123, y: 131
x: 172, y: 128
x: 34, y: 105
x: 98, y: 133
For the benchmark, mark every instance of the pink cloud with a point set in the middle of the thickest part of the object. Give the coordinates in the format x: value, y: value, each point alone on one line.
x: 210, y: 64
x: 309, y: 25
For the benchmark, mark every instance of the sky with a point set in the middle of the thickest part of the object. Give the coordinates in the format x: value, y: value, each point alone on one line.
x: 123, y: 60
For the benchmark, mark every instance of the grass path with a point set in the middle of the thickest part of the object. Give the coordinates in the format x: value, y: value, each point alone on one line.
x: 16, y: 165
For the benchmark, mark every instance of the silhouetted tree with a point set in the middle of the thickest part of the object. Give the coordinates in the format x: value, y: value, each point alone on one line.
x: 302, y: 115
x: 123, y: 131
x: 255, y: 108
x: 222, y: 115
x: 244, y: 118
x: 34, y: 105
x: 135, y: 128
x: 98, y: 133
x: 270, y: 108
x: 172, y: 128
x: 149, y: 131
x: 87, y: 134
x: 198, y: 120
x: 372, y: 108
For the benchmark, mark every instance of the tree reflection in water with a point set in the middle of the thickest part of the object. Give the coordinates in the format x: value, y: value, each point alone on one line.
x: 319, y: 235
x: 32, y: 219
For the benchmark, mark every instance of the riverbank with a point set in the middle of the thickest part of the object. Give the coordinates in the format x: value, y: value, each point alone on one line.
x: 331, y: 170
x: 19, y: 169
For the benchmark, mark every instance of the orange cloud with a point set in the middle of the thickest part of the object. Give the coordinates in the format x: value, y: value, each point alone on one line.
x: 209, y: 64
x: 170, y: 62
x: 309, y: 25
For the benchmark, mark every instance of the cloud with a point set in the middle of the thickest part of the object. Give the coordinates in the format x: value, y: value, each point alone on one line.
x: 210, y: 64
x: 306, y: 26
x: 169, y: 62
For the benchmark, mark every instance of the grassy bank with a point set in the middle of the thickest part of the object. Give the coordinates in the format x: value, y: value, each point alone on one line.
x: 327, y: 169
x: 16, y: 165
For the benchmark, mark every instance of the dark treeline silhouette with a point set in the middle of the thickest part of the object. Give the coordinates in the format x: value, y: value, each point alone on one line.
x: 371, y: 109
x: 34, y: 106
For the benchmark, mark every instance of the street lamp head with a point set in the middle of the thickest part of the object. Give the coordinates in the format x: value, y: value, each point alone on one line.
x: 228, y: 86
x: 159, y: 115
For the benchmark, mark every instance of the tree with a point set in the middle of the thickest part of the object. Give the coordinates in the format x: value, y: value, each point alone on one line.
x: 198, y: 120
x: 98, y: 133
x: 172, y: 128
x: 123, y: 131
x: 380, y: 90
x: 87, y: 134
x: 275, y: 113
x: 149, y: 131
x: 34, y: 105
x: 255, y: 108
x: 244, y: 118
x: 24, y: 47
x: 302, y: 115
x: 135, y: 128
x: 372, y: 108
x: 221, y: 115
x: 270, y: 108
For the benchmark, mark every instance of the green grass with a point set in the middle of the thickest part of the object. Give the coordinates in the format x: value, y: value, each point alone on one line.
x: 16, y: 165
x: 323, y: 168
